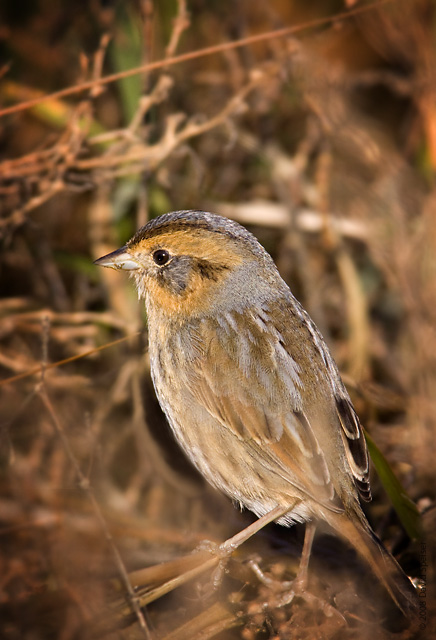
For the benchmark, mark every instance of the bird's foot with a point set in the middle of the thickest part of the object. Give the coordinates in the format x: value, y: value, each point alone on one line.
x: 287, y: 590
x: 222, y: 552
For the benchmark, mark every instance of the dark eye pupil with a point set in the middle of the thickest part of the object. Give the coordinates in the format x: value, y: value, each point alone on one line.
x: 161, y: 257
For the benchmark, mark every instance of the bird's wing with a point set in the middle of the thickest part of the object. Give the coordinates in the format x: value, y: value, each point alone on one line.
x: 351, y: 432
x: 251, y: 380
x: 355, y: 445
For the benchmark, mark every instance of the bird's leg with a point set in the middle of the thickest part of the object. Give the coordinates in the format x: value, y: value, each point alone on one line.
x: 303, y: 570
x: 230, y: 545
x: 225, y: 550
x: 299, y: 583
x: 287, y: 590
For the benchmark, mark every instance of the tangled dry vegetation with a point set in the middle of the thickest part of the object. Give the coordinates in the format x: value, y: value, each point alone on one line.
x: 323, y: 143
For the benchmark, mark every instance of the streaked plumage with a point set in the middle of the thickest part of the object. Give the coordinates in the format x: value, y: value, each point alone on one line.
x: 248, y: 384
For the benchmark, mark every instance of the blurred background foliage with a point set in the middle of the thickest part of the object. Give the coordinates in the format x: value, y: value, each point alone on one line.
x: 324, y: 144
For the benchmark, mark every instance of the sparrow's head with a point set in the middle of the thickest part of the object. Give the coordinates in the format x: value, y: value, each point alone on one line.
x: 190, y: 262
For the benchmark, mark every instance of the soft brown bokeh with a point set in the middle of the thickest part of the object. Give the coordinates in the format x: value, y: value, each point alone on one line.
x: 322, y: 143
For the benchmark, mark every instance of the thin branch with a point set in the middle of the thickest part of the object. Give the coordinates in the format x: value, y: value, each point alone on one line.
x: 59, y: 363
x: 180, y: 23
x: 194, y: 55
x: 85, y: 485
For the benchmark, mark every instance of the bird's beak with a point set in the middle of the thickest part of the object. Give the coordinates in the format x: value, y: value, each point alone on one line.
x: 119, y: 259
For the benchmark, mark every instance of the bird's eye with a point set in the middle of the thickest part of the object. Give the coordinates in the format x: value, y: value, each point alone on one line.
x: 161, y: 257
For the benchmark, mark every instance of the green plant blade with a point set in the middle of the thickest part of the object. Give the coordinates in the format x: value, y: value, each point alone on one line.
x: 405, y: 507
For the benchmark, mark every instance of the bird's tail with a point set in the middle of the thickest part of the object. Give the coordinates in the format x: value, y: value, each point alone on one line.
x: 358, y: 533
